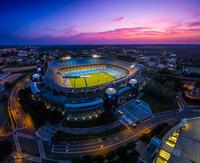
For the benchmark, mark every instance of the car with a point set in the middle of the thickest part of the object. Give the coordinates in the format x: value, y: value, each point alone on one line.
x: 138, y: 101
x: 120, y: 112
x: 134, y: 125
x: 103, y: 138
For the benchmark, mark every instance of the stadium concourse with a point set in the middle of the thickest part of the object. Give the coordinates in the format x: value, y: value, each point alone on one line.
x: 83, y: 88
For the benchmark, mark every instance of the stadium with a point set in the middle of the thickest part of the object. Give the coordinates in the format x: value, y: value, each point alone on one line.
x: 82, y: 88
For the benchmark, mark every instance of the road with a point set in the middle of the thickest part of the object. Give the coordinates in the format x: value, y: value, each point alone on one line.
x: 19, y: 118
x: 19, y: 69
x: 113, y: 141
x: 97, y: 146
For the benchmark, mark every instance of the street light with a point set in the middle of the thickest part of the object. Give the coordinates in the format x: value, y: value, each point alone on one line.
x: 132, y: 66
x: 66, y: 58
x: 96, y: 56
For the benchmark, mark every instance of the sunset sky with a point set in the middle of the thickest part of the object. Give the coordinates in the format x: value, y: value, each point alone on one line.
x: 100, y: 22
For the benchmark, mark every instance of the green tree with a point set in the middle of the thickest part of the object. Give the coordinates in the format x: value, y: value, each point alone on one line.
x: 6, y: 148
x: 110, y: 155
x: 7, y: 85
x: 87, y: 158
x: 77, y: 160
x: 99, y: 158
x: 122, y: 152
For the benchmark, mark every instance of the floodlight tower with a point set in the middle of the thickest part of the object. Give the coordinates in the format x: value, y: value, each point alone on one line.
x: 110, y: 99
x: 133, y: 83
x: 36, y: 77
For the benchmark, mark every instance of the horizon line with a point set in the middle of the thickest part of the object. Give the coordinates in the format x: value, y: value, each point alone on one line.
x: 93, y: 44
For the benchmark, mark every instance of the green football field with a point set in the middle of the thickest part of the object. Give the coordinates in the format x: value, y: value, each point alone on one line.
x: 93, y: 79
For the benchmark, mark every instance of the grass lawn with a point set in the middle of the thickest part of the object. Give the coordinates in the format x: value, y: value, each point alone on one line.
x: 158, y: 105
x: 93, y: 79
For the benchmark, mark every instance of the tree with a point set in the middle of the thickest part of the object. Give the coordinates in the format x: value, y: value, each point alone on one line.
x: 87, y: 158
x: 146, y: 138
x: 110, y: 155
x: 37, y: 109
x: 131, y: 145
x: 77, y: 160
x: 163, y: 91
x: 121, y: 152
x: 99, y: 158
x: 7, y: 85
x: 197, y: 84
x: 107, y: 116
x: 6, y: 148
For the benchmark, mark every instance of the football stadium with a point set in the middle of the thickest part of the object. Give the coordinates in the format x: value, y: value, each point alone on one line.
x: 84, y: 87
x: 88, y: 76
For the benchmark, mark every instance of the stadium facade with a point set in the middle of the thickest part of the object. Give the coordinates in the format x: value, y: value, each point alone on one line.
x: 82, y: 88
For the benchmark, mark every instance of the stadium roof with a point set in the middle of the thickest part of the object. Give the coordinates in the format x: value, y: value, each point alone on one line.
x: 132, y: 81
x: 34, y: 88
x: 122, y: 90
x: 111, y: 91
x: 182, y: 145
x: 87, y: 104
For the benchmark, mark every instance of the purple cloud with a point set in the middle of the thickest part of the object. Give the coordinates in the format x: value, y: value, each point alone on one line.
x: 70, y: 31
x: 194, y: 24
x: 120, y: 18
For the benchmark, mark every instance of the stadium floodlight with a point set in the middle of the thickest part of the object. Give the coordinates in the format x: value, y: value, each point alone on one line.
x: 66, y: 58
x: 132, y: 66
x: 84, y: 76
x: 39, y: 69
x: 183, y: 122
x: 96, y: 56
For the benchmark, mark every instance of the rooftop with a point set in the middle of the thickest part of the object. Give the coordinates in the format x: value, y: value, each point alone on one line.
x: 182, y: 145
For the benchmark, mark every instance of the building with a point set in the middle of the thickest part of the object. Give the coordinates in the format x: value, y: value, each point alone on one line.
x: 181, y: 143
x: 22, y: 53
x: 172, y: 62
x: 82, y: 88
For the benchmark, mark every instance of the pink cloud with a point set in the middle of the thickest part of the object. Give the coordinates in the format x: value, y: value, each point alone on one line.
x: 142, y: 35
x: 117, y: 33
x: 173, y: 34
x: 70, y: 31
x: 120, y: 18
x: 194, y: 24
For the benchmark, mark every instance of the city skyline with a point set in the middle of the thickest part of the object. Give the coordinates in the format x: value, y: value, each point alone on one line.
x: 100, y: 22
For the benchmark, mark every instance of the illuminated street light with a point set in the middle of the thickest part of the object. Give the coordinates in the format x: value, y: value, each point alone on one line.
x: 96, y: 56
x: 132, y: 66
x: 183, y: 122
x: 66, y: 58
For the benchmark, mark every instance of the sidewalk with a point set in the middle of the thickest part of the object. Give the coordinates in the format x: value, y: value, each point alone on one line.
x: 46, y: 132
x: 91, y: 129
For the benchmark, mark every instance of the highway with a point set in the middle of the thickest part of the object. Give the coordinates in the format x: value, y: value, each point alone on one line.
x: 19, y: 118
x: 113, y: 141
x: 117, y: 139
x: 19, y: 69
x: 98, y: 146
